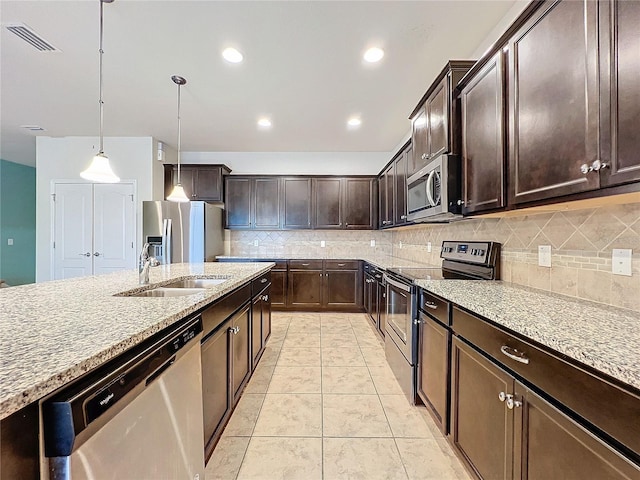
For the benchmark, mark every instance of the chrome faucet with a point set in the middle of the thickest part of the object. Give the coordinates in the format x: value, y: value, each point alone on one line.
x: 144, y: 263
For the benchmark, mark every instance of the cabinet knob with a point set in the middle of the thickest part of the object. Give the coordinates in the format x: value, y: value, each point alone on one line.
x: 584, y: 168
x: 88, y: 254
x: 460, y: 202
x: 424, y: 156
x: 512, y: 402
x: 96, y: 254
x: 502, y: 396
x: 598, y: 165
x: 403, y: 217
x: 263, y: 280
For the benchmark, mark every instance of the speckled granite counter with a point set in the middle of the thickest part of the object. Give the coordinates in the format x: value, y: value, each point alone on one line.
x: 53, y: 332
x: 382, y: 261
x: 605, y: 338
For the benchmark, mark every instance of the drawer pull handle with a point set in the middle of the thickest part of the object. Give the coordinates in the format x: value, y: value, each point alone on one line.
x: 514, y: 354
x: 431, y: 305
x: 263, y: 280
x: 341, y: 264
x: 305, y: 264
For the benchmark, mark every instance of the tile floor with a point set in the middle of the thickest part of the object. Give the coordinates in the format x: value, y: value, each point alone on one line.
x: 323, y: 404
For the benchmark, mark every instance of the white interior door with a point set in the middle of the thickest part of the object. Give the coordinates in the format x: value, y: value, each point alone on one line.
x: 113, y: 227
x: 73, y: 230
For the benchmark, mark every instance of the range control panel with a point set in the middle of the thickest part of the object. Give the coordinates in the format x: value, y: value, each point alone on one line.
x: 481, y: 253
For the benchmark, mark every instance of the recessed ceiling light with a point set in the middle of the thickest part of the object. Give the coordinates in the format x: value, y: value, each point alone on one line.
x: 373, y: 55
x: 264, y: 122
x: 354, y: 122
x: 232, y: 55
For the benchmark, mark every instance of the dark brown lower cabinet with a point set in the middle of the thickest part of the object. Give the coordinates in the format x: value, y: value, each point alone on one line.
x: 370, y: 298
x: 278, y: 296
x: 305, y: 288
x: 241, y: 350
x: 342, y: 284
x: 505, y: 430
x: 260, y: 323
x: 433, y: 368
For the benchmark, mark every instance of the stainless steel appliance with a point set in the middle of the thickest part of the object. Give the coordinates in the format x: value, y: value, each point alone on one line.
x: 461, y: 260
x: 139, y: 416
x: 183, y: 232
x: 434, y: 193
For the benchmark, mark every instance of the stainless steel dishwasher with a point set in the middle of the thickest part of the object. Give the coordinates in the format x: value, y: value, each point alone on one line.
x: 139, y: 416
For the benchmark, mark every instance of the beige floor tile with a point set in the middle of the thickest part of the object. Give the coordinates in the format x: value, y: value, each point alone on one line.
x: 347, y: 380
x: 304, y: 327
x: 374, y: 356
x: 337, y: 328
x: 354, y: 416
x: 225, y: 462
x: 302, y: 341
x: 370, y: 341
x: 342, y: 357
x: 347, y: 339
x: 260, y: 379
x: 295, y: 380
x: 301, y: 357
x: 362, y: 459
x: 277, y: 336
x: 405, y: 419
x: 245, y: 415
x: 424, y: 460
x: 292, y: 415
x: 274, y: 458
x: 384, y: 381
x: 270, y: 354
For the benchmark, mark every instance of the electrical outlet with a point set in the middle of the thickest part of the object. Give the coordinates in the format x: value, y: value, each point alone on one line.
x: 322, y: 244
x: 400, y: 245
x: 428, y: 247
x: 255, y: 243
x: 373, y: 243
x: 544, y: 255
x: 9, y: 241
x: 621, y: 261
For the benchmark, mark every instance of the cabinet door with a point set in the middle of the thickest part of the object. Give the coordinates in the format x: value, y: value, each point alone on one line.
x: 419, y: 141
x: 620, y: 84
x: 366, y: 294
x: 433, y: 368
x: 296, y: 207
x: 400, y: 206
x: 386, y: 187
x: 187, y: 175
x: 256, y: 330
x: 305, y: 288
x: 437, y: 108
x: 481, y: 425
x: 553, y: 102
x: 381, y: 308
x: 237, y: 204
x: 278, y: 288
x: 266, y: 315
x: 241, y: 350
x: 382, y: 201
x: 342, y: 289
x: 216, y: 371
x: 266, y: 203
x: 359, y: 202
x: 483, y: 145
x: 207, y: 184
x: 327, y: 197
x: 548, y: 444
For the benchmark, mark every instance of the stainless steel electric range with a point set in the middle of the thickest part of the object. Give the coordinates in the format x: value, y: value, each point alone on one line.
x: 460, y: 261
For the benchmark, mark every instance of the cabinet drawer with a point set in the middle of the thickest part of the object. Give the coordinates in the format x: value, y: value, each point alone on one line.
x: 434, y: 306
x: 341, y: 264
x: 305, y: 264
x: 222, y: 309
x: 281, y: 265
x: 258, y: 283
x: 604, y: 404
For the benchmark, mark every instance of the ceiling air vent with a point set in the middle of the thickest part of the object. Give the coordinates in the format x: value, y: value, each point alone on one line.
x: 32, y: 38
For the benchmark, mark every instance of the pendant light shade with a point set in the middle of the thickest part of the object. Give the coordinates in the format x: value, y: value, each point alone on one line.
x: 177, y: 194
x: 100, y: 170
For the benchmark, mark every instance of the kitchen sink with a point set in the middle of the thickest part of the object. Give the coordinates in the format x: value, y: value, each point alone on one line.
x: 196, y: 283
x: 167, y: 292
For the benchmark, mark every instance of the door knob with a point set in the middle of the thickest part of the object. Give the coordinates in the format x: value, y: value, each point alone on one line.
x: 88, y: 254
x: 96, y: 254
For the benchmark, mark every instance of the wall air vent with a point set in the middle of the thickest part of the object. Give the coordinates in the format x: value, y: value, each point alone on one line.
x: 27, y: 34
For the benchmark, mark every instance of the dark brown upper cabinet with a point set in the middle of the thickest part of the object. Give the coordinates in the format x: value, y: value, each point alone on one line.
x: 435, y: 122
x: 620, y: 87
x: 296, y: 203
x: 553, y: 102
x: 401, y: 165
x: 252, y: 203
x: 483, y: 138
x: 392, y: 187
x: 200, y: 182
x: 327, y: 198
x: 386, y: 187
x: 359, y: 203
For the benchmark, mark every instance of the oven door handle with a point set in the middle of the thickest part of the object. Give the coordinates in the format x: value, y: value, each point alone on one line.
x: 396, y: 284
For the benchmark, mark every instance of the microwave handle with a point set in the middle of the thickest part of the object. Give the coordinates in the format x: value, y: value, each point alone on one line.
x: 429, y: 187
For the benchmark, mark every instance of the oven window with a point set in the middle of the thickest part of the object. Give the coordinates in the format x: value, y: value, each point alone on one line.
x: 399, y: 312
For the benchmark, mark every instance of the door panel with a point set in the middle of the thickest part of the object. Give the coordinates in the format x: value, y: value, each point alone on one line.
x: 433, y: 355
x: 241, y: 350
x: 267, y: 203
x: 327, y: 194
x: 296, y: 203
x: 305, y: 288
x: 419, y: 140
x: 342, y: 289
x: 73, y: 231
x: 207, y: 184
x: 437, y: 120
x: 237, y: 212
x: 114, y: 228
x: 256, y: 330
x: 359, y: 203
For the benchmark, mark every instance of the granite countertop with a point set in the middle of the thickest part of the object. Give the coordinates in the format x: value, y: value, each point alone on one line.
x: 53, y: 332
x: 605, y: 338
x: 381, y: 261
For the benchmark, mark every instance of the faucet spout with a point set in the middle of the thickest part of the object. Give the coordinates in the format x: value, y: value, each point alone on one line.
x: 144, y: 263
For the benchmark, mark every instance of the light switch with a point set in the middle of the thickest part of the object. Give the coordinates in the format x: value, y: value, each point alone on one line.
x: 428, y: 247
x: 373, y: 243
x: 255, y: 243
x: 621, y: 261
x: 9, y: 241
x: 322, y: 244
x: 544, y: 255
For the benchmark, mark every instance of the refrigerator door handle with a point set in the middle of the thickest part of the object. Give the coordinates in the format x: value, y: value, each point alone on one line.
x: 166, y: 240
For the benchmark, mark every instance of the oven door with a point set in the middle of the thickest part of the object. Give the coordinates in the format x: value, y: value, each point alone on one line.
x: 399, y: 325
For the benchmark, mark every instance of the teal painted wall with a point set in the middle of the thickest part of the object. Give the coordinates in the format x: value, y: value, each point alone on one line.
x: 17, y: 221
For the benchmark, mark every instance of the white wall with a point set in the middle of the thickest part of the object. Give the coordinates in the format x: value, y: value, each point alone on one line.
x: 298, y: 163
x: 500, y: 28
x: 64, y: 158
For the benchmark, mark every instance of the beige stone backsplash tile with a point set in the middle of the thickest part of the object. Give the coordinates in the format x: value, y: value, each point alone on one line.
x: 564, y: 280
x: 622, y: 291
x: 594, y: 285
x: 539, y: 277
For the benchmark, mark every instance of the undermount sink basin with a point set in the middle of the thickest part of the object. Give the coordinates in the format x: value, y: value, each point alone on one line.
x: 196, y: 283
x: 167, y: 292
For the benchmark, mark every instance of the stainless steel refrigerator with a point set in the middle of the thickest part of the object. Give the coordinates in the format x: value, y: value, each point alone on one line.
x: 183, y: 232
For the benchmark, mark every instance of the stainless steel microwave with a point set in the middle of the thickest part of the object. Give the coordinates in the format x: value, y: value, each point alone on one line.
x: 433, y: 193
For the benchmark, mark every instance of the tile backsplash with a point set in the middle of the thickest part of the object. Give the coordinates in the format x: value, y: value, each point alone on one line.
x: 581, y: 241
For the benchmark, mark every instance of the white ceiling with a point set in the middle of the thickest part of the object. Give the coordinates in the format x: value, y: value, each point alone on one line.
x: 303, y: 67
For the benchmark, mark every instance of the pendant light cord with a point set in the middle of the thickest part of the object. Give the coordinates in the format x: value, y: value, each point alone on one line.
x: 101, y: 151
x: 179, y: 134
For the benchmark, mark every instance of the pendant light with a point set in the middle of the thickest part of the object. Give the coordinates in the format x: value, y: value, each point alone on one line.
x: 177, y: 194
x: 99, y: 170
